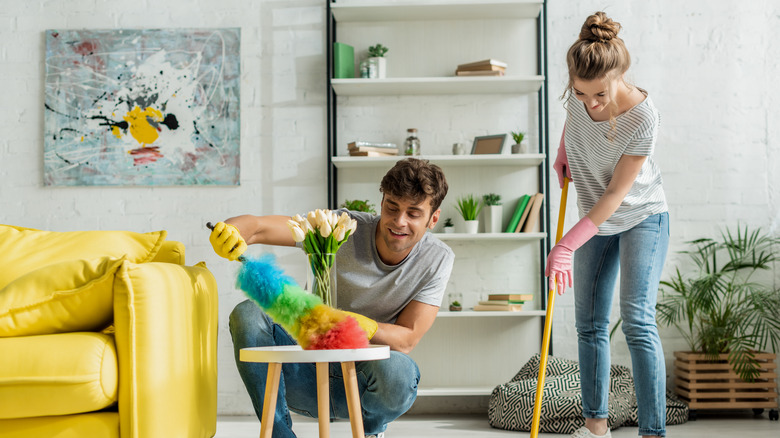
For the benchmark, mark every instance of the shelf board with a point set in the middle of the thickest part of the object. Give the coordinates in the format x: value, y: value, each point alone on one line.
x: 456, y: 391
x: 518, y: 160
x: 490, y: 314
x: 490, y: 236
x: 437, y: 85
x: 438, y: 10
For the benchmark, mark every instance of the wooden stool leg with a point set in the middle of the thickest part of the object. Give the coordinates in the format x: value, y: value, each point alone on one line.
x: 353, y: 399
x: 269, y: 402
x: 323, y: 399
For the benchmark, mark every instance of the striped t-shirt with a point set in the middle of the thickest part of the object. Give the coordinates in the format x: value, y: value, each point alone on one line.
x: 593, y: 156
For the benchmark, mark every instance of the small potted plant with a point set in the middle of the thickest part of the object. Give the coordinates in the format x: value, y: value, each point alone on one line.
x: 469, y: 208
x: 449, y: 227
x: 519, y: 147
x: 493, y: 212
x: 376, y: 56
x: 455, y: 306
x: 358, y: 205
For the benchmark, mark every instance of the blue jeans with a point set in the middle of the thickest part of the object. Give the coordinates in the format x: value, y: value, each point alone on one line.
x: 639, y: 254
x: 387, y: 388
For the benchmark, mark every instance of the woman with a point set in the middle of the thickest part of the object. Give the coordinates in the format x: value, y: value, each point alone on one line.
x: 606, y: 150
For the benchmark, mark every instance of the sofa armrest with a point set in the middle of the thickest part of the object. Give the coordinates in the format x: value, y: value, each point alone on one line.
x: 166, y: 338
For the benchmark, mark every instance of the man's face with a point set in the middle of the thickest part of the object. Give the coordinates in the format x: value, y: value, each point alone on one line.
x: 401, y: 225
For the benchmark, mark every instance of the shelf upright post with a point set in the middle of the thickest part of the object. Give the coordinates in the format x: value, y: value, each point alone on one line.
x: 332, y: 147
x: 544, y: 177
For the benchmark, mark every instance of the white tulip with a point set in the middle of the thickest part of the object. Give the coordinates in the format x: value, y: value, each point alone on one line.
x: 333, y: 218
x: 352, y: 226
x: 339, y: 232
x: 297, y: 232
x: 343, y: 220
x: 312, y: 219
x: 322, y: 217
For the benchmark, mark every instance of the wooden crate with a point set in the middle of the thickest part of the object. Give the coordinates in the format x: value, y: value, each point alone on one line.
x: 706, y: 384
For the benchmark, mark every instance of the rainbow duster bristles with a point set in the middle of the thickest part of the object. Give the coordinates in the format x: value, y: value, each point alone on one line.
x: 314, y: 325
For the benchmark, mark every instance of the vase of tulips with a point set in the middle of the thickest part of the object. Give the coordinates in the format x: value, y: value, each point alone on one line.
x: 321, y: 233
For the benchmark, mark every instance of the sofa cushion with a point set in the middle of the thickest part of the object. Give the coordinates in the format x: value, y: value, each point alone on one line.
x: 75, y: 295
x: 27, y: 249
x: 62, y: 374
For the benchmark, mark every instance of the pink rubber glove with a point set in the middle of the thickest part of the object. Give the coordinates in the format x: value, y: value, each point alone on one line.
x: 561, y: 164
x: 559, y: 260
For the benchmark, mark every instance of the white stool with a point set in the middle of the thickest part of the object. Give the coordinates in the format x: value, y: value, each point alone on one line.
x: 276, y: 356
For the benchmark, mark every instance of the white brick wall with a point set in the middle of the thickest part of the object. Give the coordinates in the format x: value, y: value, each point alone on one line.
x: 711, y: 73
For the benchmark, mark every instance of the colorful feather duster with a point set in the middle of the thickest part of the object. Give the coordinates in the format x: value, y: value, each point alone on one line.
x: 314, y: 325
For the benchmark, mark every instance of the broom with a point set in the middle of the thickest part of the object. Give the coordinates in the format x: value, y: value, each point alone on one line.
x: 548, y: 321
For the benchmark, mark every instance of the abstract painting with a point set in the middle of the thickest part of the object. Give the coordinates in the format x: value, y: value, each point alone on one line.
x: 157, y: 107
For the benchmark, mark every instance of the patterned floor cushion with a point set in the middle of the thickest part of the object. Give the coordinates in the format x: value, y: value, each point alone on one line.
x: 511, y: 404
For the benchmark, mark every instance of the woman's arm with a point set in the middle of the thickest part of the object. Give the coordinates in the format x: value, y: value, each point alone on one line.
x: 626, y: 171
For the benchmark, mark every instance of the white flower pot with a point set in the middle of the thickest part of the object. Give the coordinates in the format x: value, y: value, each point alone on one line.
x: 493, y: 215
x: 381, y: 64
x: 472, y: 227
x: 449, y: 230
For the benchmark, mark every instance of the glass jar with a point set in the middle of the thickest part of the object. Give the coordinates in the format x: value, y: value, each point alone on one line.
x: 412, y: 143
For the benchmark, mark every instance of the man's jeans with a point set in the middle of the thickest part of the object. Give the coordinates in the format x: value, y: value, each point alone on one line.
x: 387, y: 387
x: 639, y: 254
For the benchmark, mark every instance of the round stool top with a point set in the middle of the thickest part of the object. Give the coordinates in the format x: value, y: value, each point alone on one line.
x: 295, y: 354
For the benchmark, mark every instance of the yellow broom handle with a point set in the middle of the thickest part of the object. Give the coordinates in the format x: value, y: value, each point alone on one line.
x: 548, y: 320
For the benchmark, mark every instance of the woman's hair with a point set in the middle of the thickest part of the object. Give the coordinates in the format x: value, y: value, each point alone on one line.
x: 598, y: 53
x: 416, y: 179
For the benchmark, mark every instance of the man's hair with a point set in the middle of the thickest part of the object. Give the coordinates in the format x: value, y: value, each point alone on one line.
x: 416, y: 179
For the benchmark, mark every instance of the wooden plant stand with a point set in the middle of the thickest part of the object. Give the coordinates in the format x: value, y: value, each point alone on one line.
x: 705, y: 384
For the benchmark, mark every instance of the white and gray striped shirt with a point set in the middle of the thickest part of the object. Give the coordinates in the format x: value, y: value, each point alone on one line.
x: 593, y: 157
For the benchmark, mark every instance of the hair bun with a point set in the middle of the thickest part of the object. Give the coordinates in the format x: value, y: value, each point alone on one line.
x: 599, y: 28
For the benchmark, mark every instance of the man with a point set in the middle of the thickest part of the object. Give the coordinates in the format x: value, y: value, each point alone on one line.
x: 391, y: 272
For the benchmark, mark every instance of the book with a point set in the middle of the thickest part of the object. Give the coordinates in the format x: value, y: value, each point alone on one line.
x: 521, y: 204
x: 392, y: 151
x: 498, y: 307
x: 485, y: 64
x: 511, y: 297
x: 528, y: 207
x: 373, y: 144
x: 371, y: 154
x: 343, y: 61
x: 479, y: 73
x: 533, y: 216
x: 500, y: 302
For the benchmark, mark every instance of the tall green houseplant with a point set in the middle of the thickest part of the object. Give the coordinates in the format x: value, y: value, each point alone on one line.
x: 721, y: 307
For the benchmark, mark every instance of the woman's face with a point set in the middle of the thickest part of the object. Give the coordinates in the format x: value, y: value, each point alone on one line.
x: 597, y: 94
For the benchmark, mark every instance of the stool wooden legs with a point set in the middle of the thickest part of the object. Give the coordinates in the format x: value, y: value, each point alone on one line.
x: 353, y: 398
x: 269, y: 402
x: 323, y: 399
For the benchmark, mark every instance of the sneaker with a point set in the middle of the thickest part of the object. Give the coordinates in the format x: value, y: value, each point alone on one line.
x: 379, y: 435
x: 584, y: 432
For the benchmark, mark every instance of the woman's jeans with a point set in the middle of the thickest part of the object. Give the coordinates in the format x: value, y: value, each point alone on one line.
x: 639, y: 254
x: 387, y: 387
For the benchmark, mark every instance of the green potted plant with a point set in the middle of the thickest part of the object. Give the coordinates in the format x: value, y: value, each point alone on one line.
x: 469, y: 208
x: 724, y: 310
x: 358, y: 205
x: 493, y: 212
x: 519, y: 147
x: 449, y: 227
x: 376, y: 55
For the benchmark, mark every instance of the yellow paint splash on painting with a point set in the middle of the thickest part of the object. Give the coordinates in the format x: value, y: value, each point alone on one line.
x: 140, y: 129
x: 116, y: 131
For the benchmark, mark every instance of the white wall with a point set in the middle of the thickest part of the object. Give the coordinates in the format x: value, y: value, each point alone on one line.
x: 711, y: 73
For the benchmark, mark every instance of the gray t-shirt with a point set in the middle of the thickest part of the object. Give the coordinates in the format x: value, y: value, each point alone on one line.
x: 368, y: 286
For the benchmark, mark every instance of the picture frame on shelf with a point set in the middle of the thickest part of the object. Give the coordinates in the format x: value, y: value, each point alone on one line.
x: 488, y: 144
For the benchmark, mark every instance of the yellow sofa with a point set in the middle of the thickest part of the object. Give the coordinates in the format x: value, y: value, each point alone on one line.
x: 105, y: 334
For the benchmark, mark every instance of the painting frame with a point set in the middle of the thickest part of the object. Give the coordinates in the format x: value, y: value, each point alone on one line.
x: 488, y: 144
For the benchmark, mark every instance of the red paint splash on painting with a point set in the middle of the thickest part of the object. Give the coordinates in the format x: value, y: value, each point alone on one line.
x: 145, y: 155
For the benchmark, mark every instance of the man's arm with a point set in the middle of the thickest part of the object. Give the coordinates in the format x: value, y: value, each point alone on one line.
x: 413, y: 322
x: 267, y: 230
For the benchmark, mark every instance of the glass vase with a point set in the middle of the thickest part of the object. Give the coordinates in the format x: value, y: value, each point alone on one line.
x: 321, y: 277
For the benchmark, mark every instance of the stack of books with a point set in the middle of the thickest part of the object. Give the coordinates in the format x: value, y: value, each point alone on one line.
x: 526, y: 214
x: 503, y: 302
x: 486, y: 67
x: 372, y: 149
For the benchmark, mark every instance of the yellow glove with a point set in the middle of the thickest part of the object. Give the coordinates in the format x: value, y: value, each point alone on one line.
x: 227, y: 241
x: 367, y: 324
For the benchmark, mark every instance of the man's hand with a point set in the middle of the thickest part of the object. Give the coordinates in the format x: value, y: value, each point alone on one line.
x: 227, y: 241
